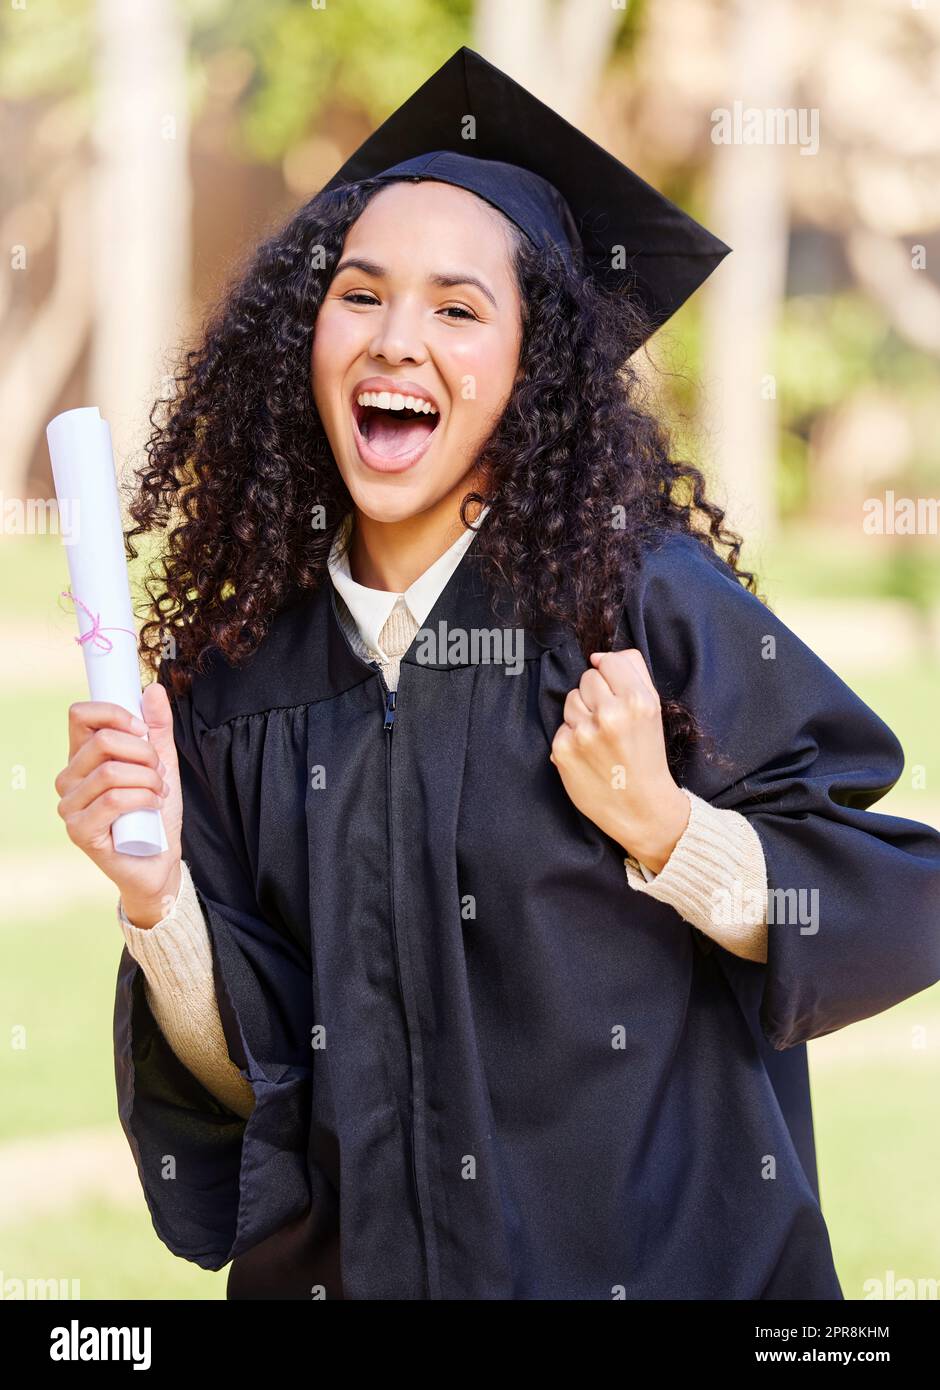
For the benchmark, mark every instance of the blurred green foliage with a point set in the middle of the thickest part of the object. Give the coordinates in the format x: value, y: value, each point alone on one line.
x: 295, y: 57
x: 829, y: 349
x: 356, y: 54
x: 46, y: 50
x: 815, y: 560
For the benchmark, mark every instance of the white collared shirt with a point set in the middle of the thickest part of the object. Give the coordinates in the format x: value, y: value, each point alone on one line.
x: 371, y: 608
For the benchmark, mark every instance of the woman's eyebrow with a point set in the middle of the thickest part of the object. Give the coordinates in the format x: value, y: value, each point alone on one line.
x: 462, y: 277
x: 441, y: 279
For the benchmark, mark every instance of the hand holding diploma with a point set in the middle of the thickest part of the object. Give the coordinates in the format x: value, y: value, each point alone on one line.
x: 112, y: 788
x: 111, y: 771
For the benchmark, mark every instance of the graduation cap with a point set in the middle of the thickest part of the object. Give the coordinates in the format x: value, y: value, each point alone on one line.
x: 547, y: 177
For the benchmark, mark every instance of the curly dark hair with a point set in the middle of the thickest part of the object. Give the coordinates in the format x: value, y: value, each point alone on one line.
x: 239, y: 463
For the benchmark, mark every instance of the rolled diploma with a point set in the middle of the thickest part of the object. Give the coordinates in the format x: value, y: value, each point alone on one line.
x: 86, y: 488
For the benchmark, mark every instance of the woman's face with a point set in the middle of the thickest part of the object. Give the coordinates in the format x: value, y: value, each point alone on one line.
x: 423, y: 303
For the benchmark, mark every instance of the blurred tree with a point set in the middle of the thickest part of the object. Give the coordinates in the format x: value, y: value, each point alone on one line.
x: 105, y: 159
x: 551, y: 47
x: 299, y: 71
x: 749, y: 210
x: 99, y: 97
x: 141, y: 252
x: 870, y: 194
x: 45, y: 207
x: 279, y: 93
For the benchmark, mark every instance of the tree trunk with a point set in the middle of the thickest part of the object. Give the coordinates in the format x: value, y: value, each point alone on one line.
x: 141, y: 259
x: 556, y: 51
x: 749, y: 212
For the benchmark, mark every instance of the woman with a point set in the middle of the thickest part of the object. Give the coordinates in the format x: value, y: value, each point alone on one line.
x: 393, y: 1021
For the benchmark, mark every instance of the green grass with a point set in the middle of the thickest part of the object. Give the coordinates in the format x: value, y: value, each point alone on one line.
x: 878, y: 1143
x: 878, y: 1148
x: 112, y: 1250
x: 57, y: 983
x: 906, y: 699
x: 33, y: 749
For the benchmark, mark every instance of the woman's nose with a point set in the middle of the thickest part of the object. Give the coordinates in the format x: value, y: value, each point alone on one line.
x: 398, y: 337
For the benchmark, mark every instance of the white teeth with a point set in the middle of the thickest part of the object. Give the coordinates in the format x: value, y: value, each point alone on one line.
x: 393, y: 400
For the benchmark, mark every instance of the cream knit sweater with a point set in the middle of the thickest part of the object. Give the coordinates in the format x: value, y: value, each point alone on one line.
x: 717, y: 863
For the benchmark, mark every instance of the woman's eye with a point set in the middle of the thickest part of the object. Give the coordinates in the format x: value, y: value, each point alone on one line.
x: 363, y: 297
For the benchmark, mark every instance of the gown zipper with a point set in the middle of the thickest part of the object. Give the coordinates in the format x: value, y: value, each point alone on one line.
x: 390, y: 700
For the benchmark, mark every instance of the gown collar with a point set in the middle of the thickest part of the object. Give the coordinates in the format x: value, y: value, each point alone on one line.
x: 371, y: 608
x: 306, y: 656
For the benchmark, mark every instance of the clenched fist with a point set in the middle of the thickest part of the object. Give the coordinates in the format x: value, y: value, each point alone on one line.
x: 610, y: 752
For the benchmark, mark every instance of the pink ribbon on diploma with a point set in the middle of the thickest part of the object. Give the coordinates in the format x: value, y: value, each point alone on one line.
x: 94, y: 633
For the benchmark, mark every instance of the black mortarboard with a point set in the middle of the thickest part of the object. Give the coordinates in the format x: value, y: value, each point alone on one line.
x: 548, y: 178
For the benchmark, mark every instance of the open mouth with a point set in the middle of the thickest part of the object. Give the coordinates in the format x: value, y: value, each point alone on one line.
x: 394, y: 434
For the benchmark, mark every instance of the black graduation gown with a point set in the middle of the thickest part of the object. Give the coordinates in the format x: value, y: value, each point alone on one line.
x: 484, y: 1066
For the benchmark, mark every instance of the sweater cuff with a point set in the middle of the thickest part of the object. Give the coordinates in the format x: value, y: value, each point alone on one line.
x: 175, y: 955
x: 175, y: 951
x: 715, y: 878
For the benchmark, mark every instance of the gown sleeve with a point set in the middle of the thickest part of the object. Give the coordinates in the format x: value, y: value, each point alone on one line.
x: 176, y: 959
x: 217, y: 1183
x: 853, y: 894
